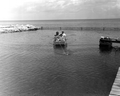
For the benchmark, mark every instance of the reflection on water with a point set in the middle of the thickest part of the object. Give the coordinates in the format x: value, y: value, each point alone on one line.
x: 61, y: 50
x: 111, y: 56
x: 105, y: 50
x: 114, y: 49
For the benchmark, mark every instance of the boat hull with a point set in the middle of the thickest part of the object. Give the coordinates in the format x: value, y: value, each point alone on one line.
x: 60, y: 44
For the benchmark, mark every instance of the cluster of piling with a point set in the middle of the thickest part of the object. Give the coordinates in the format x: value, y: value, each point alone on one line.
x: 106, y: 42
x: 82, y: 28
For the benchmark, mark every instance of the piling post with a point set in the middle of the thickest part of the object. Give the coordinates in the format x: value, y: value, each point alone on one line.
x: 41, y: 28
x: 60, y: 28
x: 81, y: 28
x: 103, y: 28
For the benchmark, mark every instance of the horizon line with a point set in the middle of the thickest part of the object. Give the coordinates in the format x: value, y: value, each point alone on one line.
x: 61, y: 19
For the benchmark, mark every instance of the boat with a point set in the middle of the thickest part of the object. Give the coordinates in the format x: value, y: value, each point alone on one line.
x: 61, y: 43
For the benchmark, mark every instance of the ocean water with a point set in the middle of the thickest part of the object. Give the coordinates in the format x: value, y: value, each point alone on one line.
x: 68, y: 23
x: 30, y: 66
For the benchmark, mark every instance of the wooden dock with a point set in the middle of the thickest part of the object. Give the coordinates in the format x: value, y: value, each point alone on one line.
x: 115, y: 90
x: 108, y: 39
x: 115, y: 40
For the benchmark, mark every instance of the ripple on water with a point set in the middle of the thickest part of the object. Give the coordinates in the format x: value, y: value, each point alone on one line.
x: 38, y: 69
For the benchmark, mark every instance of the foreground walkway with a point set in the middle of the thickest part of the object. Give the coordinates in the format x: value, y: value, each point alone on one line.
x: 115, y: 90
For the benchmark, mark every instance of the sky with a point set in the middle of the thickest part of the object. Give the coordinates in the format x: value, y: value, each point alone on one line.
x: 58, y: 9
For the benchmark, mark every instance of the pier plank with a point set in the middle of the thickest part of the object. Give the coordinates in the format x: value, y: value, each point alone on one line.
x: 115, y: 90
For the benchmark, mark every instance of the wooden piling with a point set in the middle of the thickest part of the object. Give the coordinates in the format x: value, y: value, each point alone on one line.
x: 82, y: 28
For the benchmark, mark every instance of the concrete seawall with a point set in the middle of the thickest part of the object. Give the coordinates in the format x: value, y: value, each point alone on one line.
x: 17, y: 28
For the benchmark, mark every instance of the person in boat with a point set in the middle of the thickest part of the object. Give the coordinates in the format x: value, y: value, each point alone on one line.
x: 63, y: 36
x: 56, y: 36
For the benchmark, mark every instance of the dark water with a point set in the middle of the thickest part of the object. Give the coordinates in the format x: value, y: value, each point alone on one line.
x: 30, y: 66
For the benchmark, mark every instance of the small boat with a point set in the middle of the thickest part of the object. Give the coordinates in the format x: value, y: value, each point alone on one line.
x: 61, y: 43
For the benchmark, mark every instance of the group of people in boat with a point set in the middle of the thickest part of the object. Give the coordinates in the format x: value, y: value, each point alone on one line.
x: 60, y: 37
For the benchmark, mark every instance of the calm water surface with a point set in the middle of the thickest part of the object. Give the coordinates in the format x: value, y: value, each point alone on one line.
x: 30, y: 66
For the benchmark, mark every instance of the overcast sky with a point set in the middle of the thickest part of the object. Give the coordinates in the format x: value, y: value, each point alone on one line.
x: 58, y: 9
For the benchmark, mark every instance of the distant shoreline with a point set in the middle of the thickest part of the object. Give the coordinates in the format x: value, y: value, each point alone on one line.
x: 60, y: 20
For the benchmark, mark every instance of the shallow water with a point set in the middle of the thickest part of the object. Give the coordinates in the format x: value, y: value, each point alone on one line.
x: 30, y: 66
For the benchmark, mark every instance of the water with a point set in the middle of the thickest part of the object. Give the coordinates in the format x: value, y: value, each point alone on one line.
x: 68, y: 23
x: 30, y: 66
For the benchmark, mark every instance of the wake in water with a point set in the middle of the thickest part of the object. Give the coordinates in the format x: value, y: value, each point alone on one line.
x: 62, y: 51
